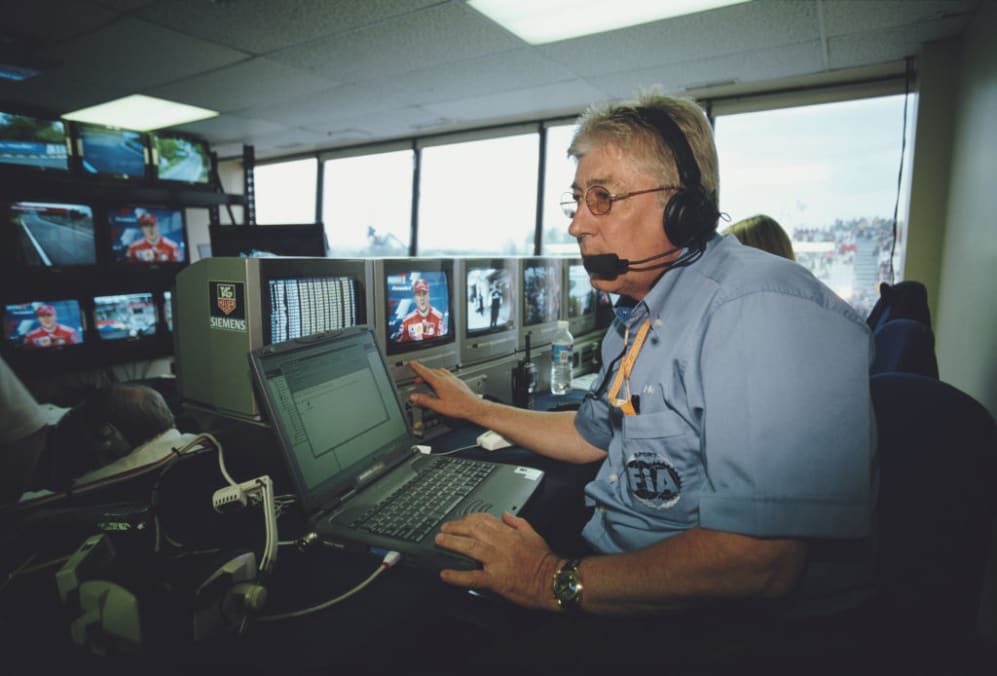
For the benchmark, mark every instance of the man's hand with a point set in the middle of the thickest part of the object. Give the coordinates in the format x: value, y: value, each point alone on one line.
x: 516, y: 562
x: 453, y: 397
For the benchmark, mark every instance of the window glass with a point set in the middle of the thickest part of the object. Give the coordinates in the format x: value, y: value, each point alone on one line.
x: 479, y: 197
x: 828, y: 174
x: 285, y: 192
x: 367, y: 204
x: 559, y: 173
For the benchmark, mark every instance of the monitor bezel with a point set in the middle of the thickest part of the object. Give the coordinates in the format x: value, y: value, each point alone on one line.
x: 581, y: 324
x: 541, y: 333
x: 78, y: 130
x: 151, y: 298
x: 19, y: 260
x: 486, y: 344
x: 124, y: 264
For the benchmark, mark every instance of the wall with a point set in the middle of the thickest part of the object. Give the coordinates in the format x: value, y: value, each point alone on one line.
x: 966, y: 326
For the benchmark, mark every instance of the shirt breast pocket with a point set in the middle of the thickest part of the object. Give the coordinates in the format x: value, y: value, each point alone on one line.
x: 660, y: 461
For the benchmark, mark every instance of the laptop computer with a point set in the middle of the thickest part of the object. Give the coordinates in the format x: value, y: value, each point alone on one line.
x: 351, y: 454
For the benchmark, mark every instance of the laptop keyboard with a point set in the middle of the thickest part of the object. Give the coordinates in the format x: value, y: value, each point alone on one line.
x: 418, y: 506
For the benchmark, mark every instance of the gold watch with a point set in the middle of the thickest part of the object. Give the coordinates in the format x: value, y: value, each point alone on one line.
x: 568, y: 586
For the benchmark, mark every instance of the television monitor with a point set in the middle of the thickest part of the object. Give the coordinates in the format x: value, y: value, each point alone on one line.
x: 225, y: 307
x: 541, y: 280
x: 580, y: 299
x: 52, y: 234
x: 43, y: 324
x: 253, y: 241
x: 33, y: 142
x: 108, y: 151
x: 147, y: 235
x: 487, y: 324
x: 168, y: 310
x: 181, y: 158
x: 415, y: 312
x: 127, y: 316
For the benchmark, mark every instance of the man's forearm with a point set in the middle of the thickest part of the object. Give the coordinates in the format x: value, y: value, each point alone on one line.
x: 696, y: 567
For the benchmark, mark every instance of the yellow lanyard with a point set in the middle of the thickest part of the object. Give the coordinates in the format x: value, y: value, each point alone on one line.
x: 626, y: 368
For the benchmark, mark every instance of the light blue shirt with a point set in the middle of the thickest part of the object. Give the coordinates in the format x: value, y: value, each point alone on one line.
x: 755, y: 410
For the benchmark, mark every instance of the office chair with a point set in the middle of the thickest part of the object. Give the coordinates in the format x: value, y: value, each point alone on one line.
x: 935, y: 514
x: 905, y: 345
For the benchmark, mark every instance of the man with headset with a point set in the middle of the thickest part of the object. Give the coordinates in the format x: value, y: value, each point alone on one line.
x: 732, y: 416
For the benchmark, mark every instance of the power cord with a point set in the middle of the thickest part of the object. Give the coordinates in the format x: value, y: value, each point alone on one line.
x: 389, y: 561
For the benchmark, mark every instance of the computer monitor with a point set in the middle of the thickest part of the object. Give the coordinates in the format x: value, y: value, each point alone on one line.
x: 181, y: 159
x: 43, y: 325
x: 126, y: 316
x: 33, y: 142
x: 541, y: 282
x: 145, y: 235
x: 580, y: 299
x: 225, y: 307
x: 51, y: 234
x: 112, y: 152
x: 414, y: 305
x: 487, y: 320
x: 293, y: 239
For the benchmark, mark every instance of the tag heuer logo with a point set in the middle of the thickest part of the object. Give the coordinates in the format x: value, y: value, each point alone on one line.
x: 226, y: 298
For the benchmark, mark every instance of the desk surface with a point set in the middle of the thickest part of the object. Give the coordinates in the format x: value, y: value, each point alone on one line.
x: 402, y: 609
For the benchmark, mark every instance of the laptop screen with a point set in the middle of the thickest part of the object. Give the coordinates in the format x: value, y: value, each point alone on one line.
x: 336, y: 410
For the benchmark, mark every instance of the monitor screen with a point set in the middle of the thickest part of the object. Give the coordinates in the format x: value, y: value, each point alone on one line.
x: 33, y: 142
x: 168, y: 310
x: 303, y: 307
x: 125, y: 316
x: 489, y: 298
x: 581, y: 295
x: 253, y: 241
x: 106, y: 151
x: 147, y: 235
x: 181, y: 159
x: 541, y: 292
x: 43, y: 324
x: 418, y: 309
x: 51, y: 234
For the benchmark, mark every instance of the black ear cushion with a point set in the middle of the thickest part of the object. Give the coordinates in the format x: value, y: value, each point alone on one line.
x: 689, y: 218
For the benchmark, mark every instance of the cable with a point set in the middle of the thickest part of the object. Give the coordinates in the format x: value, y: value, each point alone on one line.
x: 389, y: 560
x: 900, y: 172
x: 456, y: 450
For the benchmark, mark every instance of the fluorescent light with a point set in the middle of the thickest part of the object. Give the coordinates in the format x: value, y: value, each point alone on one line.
x: 542, y: 21
x: 140, y: 113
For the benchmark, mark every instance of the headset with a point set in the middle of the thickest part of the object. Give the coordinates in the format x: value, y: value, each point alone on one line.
x: 691, y: 215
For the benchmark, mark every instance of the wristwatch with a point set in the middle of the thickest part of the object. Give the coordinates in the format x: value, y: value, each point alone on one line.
x: 568, y: 587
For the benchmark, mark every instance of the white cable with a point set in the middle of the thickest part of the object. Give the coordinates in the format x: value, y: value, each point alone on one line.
x: 389, y: 560
x: 457, y: 450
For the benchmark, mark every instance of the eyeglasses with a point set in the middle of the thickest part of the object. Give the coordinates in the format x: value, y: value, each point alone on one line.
x: 600, y: 200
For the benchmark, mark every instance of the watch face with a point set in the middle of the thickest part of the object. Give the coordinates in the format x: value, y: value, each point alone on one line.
x: 567, y: 585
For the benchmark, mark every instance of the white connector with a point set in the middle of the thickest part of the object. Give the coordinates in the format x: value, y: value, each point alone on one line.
x: 229, y: 499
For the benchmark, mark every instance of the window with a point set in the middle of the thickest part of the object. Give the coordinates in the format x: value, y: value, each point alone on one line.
x: 828, y: 174
x: 285, y: 192
x: 559, y: 173
x: 367, y: 204
x: 479, y: 197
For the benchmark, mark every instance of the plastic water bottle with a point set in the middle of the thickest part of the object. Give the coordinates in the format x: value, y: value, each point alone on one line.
x: 560, y: 359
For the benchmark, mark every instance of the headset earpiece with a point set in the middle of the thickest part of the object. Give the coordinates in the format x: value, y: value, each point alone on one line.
x: 691, y: 215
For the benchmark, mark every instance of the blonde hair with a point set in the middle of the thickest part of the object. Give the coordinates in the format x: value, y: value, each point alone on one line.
x: 763, y: 232
x: 623, y: 125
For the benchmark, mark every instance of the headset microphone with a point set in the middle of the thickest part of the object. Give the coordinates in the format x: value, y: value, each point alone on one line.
x: 610, y: 265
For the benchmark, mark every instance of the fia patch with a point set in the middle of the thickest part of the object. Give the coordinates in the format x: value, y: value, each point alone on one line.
x: 653, y: 480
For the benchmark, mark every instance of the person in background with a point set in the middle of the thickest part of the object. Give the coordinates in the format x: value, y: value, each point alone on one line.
x: 763, y: 232
x: 719, y: 485
x: 51, y: 333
